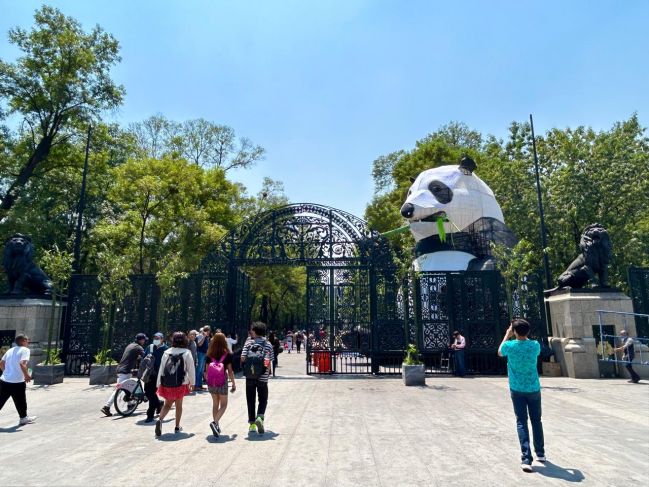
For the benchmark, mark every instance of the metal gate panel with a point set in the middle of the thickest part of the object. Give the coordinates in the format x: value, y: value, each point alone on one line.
x: 339, y: 324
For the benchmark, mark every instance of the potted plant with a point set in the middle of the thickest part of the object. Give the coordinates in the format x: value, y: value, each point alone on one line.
x: 51, y: 370
x: 58, y: 264
x: 412, y: 368
x: 115, y: 286
x: 103, y: 370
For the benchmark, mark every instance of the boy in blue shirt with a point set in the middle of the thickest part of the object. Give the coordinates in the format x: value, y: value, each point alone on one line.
x: 525, y: 388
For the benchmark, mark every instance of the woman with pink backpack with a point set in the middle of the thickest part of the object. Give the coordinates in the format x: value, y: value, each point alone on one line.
x: 219, y: 361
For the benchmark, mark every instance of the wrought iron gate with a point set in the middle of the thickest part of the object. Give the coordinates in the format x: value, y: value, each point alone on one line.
x: 639, y: 288
x: 339, y: 320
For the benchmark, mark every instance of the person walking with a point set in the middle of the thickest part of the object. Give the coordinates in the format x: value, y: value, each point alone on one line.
x: 156, y: 350
x: 176, y: 379
x: 277, y: 349
x: 219, y: 360
x: 298, y: 340
x: 202, y: 343
x: 130, y: 358
x: 629, y: 354
x: 192, y: 346
x: 231, y: 341
x: 525, y: 388
x: 458, y: 346
x: 289, y: 341
x: 256, y: 358
x: 15, y: 377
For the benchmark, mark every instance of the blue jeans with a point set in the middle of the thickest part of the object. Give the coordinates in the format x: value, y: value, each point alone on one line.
x: 525, y: 402
x: 200, y: 368
x: 458, y: 360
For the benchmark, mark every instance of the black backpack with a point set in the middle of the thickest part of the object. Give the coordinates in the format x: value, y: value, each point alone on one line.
x: 253, y: 367
x: 173, y: 374
x: 145, y: 372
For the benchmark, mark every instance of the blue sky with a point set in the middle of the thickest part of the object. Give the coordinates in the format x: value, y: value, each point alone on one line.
x: 328, y: 86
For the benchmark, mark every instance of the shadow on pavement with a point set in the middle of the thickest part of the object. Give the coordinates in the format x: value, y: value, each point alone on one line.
x: 175, y: 436
x: 267, y: 436
x: 551, y: 470
x: 221, y: 438
x: 10, y: 429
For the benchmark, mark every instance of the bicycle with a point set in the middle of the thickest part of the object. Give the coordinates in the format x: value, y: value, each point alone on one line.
x: 130, y: 394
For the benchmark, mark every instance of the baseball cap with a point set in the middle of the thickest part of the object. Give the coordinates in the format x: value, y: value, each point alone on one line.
x: 141, y: 336
x: 159, y: 335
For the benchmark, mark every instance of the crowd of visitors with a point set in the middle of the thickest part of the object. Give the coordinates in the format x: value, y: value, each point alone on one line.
x: 195, y: 362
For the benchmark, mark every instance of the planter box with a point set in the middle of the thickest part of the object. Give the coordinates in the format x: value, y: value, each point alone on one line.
x: 103, y: 374
x: 413, y: 375
x: 551, y: 369
x: 48, y: 374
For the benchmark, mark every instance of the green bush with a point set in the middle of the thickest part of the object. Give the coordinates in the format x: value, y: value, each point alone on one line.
x: 412, y: 356
x: 103, y: 357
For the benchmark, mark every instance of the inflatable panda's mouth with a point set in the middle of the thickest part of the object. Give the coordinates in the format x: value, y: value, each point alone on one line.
x: 432, y: 218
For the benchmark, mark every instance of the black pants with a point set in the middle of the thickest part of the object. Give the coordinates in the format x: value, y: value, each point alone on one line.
x: 154, y: 402
x: 634, y: 375
x: 16, y: 391
x: 254, y: 387
x: 299, y: 345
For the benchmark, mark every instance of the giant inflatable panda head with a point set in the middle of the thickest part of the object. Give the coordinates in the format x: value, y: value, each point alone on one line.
x: 454, y: 193
x: 453, y: 196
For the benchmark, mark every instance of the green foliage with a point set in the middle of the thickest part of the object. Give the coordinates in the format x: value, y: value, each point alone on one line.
x: 515, y: 265
x: 52, y: 357
x: 104, y: 357
x: 58, y: 265
x: 586, y: 177
x: 60, y: 83
x: 412, y: 355
x: 171, y: 271
x: 200, y: 141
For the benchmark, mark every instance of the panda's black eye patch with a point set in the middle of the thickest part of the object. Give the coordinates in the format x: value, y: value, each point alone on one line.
x: 440, y: 191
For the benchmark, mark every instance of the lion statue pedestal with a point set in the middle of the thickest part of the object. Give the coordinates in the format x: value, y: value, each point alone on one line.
x: 575, y: 322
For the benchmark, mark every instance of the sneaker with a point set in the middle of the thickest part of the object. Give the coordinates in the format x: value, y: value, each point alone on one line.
x: 27, y: 420
x: 260, y: 425
x: 215, y: 429
x: 526, y: 467
x: 178, y: 429
x: 252, y: 427
x: 106, y: 411
x: 148, y: 420
x: 158, y: 428
x: 541, y: 458
x: 218, y: 427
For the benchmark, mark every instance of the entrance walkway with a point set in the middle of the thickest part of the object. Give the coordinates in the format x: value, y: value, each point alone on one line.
x: 336, y: 432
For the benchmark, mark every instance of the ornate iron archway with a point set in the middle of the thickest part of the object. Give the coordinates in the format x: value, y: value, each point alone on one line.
x: 350, y: 275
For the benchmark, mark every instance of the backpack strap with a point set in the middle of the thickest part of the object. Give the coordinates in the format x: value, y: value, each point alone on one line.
x: 223, y: 358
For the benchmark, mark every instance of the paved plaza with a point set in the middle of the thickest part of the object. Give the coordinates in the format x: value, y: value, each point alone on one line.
x: 335, y: 432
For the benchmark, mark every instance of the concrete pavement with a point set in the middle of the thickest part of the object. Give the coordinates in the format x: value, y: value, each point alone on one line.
x: 335, y: 432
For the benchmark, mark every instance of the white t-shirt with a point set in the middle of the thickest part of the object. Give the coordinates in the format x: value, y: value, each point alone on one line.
x: 13, y: 373
x: 231, y: 341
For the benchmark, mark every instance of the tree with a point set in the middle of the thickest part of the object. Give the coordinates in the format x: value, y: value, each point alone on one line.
x: 200, y: 141
x: 60, y: 83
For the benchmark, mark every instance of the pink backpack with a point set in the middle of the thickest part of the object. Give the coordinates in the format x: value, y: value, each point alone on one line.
x: 216, y: 373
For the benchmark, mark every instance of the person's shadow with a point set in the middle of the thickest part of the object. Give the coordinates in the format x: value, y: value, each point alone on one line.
x: 11, y: 429
x: 221, y: 438
x: 267, y: 436
x: 551, y: 470
x: 175, y: 436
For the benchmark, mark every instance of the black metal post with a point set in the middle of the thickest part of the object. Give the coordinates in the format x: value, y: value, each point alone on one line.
x: 82, y: 206
x: 544, y: 241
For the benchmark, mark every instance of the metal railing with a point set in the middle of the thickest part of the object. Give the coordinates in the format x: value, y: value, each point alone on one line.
x: 640, y: 344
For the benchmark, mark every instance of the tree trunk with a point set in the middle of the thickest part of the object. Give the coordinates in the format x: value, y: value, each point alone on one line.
x: 38, y: 156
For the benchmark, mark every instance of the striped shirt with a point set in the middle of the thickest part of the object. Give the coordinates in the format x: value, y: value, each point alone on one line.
x: 268, y: 353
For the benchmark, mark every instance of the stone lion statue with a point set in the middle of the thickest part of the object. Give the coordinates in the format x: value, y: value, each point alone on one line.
x: 23, y: 274
x: 593, y: 261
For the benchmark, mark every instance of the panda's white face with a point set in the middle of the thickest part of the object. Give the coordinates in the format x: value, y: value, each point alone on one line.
x: 447, y: 191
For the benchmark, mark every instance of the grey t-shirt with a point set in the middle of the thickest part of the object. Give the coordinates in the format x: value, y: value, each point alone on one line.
x: 132, y: 353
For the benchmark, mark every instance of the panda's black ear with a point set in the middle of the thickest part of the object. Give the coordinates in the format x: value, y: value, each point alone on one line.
x: 467, y: 165
x: 412, y: 180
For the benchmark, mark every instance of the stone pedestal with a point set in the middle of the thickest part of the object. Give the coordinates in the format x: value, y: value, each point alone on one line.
x: 574, y: 313
x: 31, y: 317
